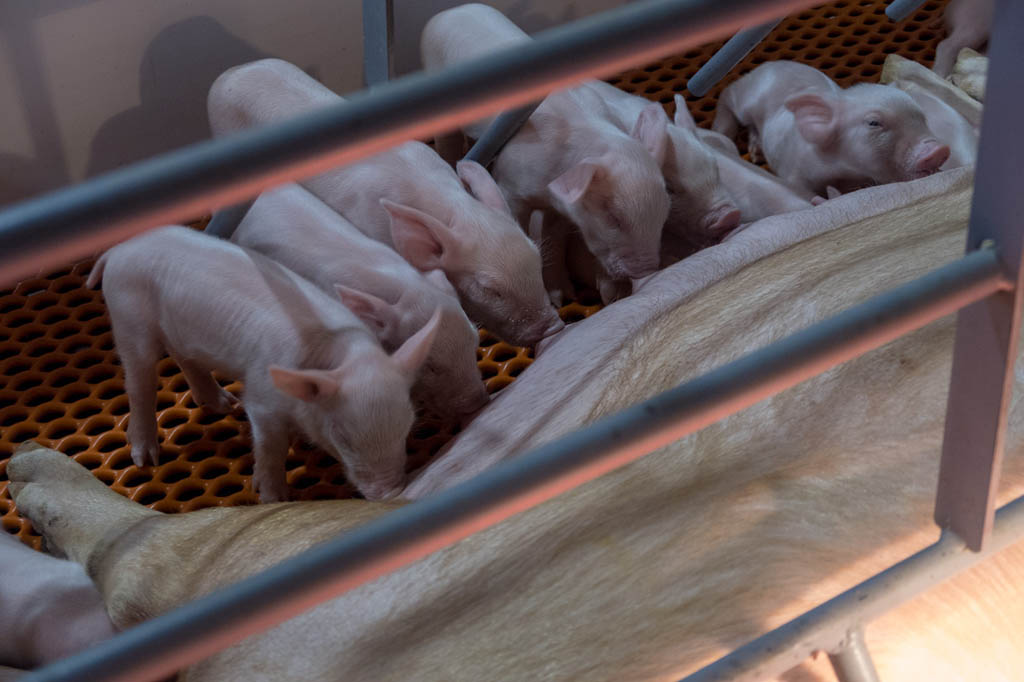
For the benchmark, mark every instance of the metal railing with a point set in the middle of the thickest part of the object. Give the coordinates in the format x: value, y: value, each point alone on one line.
x: 70, y: 223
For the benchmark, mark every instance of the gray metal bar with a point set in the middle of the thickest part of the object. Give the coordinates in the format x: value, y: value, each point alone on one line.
x: 852, y: 661
x: 499, y: 133
x: 225, y: 221
x: 986, y: 335
x: 378, y: 41
x: 825, y: 627
x: 78, y: 221
x: 898, y: 10
x: 727, y: 57
x: 169, y: 642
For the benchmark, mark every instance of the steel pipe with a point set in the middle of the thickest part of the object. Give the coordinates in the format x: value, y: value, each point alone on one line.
x: 174, y: 640
x: 986, y: 336
x: 499, y: 133
x: 378, y: 41
x: 825, y: 626
x: 78, y: 221
x: 898, y: 10
x: 727, y: 57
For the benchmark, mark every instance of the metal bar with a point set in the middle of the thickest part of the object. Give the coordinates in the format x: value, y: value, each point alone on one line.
x: 174, y: 640
x: 898, y: 10
x: 378, y: 41
x: 728, y: 56
x: 825, y: 626
x: 852, y: 661
x: 986, y: 335
x: 225, y: 221
x: 78, y: 221
x: 499, y: 133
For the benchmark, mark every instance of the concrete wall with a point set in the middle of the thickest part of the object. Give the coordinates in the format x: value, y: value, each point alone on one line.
x: 89, y: 85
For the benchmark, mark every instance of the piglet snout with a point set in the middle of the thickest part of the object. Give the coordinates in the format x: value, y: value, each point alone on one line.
x: 930, y: 157
x: 722, y: 220
x: 556, y: 326
x: 634, y: 267
x: 383, y: 490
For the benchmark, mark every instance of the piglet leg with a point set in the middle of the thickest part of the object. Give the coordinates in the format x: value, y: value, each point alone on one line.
x: 139, y: 354
x: 552, y: 240
x: 207, y: 393
x: 269, y: 450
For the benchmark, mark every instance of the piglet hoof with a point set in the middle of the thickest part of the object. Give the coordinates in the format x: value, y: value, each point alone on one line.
x: 818, y: 201
x: 225, y: 403
x: 145, y: 454
x: 271, y: 491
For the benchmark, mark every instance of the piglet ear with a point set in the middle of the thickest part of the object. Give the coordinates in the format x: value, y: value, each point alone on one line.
x: 420, y: 239
x: 481, y: 185
x: 815, y: 118
x: 309, y: 385
x: 375, y: 312
x: 572, y: 185
x: 651, y: 129
x: 411, y: 354
x: 683, y: 118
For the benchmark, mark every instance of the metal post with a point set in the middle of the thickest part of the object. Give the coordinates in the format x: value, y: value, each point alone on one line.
x: 898, y: 10
x: 378, y: 41
x: 162, y: 645
x: 77, y: 221
x: 499, y: 133
x: 986, y: 335
x: 852, y: 661
x: 727, y: 57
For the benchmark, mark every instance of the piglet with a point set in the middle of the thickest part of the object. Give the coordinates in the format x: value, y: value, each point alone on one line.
x: 815, y: 134
x: 392, y: 298
x: 950, y: 113
x: 410, y: 199
x: 306, y: 360
x: 702, y: 206
x: 49, y: 608
x: 570, y: 158
x: 968, y: 23
x: 758, y: 193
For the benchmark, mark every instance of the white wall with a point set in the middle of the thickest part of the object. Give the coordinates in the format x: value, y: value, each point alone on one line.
x: 89, y: 85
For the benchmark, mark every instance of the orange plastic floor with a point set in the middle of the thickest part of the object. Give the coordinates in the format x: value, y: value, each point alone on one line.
x: 61, y: 384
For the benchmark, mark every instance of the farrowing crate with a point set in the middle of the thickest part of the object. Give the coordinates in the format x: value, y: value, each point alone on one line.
x: 61, y: 384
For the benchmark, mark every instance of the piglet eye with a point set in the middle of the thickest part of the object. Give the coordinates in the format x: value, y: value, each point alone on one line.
x: 874, y: 123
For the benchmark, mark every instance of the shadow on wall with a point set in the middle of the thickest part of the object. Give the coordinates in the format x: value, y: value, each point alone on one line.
x: 23, y: 176
x: 176, y: 73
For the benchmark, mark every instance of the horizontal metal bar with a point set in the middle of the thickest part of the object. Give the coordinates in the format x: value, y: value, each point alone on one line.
x: 499, y: 133
x: 823, y: 627
x: 899, y: 10
x: 78, y: 221
x: 727, y: 57
x: 981, y: 385
x: 172, y: 641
